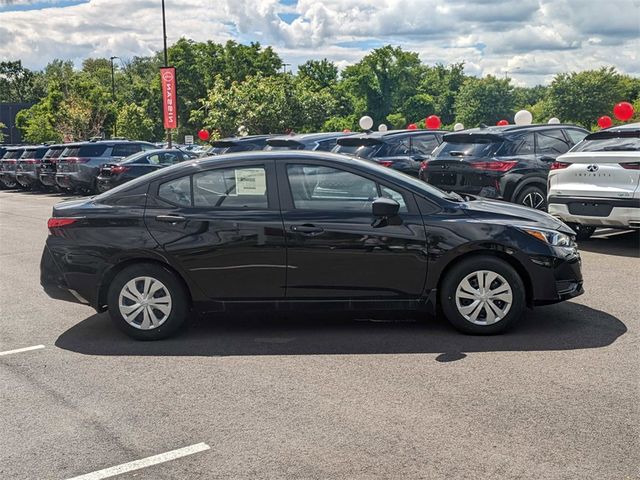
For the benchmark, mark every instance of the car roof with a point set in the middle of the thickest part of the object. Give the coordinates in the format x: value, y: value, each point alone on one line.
x: 230, y: 141
x: 623, y: 128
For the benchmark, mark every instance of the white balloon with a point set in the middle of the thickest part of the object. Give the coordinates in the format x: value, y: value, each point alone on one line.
x: 523, y: 117
x: 382, y: 128
x: 457, y: 127
x: 554, y: 120
x: 366, y: 122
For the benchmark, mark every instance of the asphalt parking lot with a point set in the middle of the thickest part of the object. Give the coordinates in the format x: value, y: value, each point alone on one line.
x: 318, y: 397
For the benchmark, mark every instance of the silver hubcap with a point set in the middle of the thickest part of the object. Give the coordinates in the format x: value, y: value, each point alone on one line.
x: 533, y: 200
x: 145, y: 303
x: 484, y: 297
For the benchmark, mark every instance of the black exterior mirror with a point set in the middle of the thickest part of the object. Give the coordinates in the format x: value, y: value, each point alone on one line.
x: 385, y: 207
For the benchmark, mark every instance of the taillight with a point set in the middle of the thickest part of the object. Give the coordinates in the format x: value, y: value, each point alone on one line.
x: 60, y: 222
x: 424, y: 165
x: 559, y: 165
x: 31, y: 161
x: 495, y: 166
x: 631, y: 166
x: 386, y: 163
x: 118, y: 169
x: 76, y: 160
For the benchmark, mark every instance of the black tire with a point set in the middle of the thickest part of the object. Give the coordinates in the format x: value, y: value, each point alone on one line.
x: 179, y: 309
x: 532, y: 197
x: 467, y: 267
x: 583, y: 232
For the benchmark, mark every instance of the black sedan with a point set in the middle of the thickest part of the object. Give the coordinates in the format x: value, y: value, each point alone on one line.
x: 138, y: 164
x: 298, y: 229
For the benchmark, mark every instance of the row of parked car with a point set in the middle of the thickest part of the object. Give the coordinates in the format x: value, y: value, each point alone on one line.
x: 510, y: 163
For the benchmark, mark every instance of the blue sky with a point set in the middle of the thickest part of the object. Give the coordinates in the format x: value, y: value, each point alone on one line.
x: 530, y: 39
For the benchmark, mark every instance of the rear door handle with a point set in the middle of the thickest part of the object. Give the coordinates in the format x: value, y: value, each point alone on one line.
x: 170, y: 218
x: 307, y: 229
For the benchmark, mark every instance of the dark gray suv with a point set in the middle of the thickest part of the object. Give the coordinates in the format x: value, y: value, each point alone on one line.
x: 79, y: 164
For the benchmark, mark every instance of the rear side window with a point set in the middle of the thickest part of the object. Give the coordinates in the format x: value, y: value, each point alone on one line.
x: 241, y: 187
x: 326, y: 145
x: 525, y: 145
x: 576, y: 136
x: 85, y: 151
x: 177, y: 191
x: 168, y: 158
x: 398, y: 147
x: 551, y: 142
x: 424, y: 144
x: 53, y: 153
x: 125, y: 149
x: 13, y: 154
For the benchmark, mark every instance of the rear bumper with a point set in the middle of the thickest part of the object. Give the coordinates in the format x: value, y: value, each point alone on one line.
x: 72, y: 180
x: 48, y: 179
x: 53, y: 281
x: 617, y: 212
x: 26, y: 179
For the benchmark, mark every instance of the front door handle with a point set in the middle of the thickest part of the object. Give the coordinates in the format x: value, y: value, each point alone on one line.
x: 307, y: 229
x: 170, y: 219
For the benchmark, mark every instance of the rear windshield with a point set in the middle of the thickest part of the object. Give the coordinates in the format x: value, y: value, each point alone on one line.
x: 85, y: 151
x: 53, y: 152
x: 11, y: 154
x: 616, y: 144
x: 481, y: 147
x: 34, y: 153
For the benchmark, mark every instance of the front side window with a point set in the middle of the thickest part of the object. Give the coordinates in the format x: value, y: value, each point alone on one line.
x: 552, y: 143
x: 399, y: 147
x: 177, y: 191
x: 316, y: 187
x: 169, y: 158
x: 240, y: 187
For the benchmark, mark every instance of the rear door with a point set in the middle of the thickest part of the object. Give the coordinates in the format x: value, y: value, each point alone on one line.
x: 224, y: 228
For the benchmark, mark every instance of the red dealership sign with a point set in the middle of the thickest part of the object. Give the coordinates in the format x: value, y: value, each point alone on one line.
x: 169, y: 97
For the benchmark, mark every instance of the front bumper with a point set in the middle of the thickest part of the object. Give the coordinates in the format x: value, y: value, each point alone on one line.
x: 614, y: 212
x: 556, y: 277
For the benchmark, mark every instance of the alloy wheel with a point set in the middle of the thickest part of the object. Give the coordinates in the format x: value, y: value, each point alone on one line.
x: 484, y: 297
x: 534, y: 200
x: 145, y: 303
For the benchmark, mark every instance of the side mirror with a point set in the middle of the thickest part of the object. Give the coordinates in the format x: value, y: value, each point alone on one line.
x: 385, y: 207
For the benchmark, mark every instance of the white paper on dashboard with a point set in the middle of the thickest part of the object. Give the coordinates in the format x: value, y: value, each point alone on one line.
x: 251, y: 181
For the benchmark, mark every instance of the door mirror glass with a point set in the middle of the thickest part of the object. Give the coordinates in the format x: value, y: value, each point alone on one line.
x: 385, y: 207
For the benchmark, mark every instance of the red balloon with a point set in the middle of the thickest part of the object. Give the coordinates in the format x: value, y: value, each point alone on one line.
x: 623, y: 111
x: 412, y: 126
x: 346, y: 130
x: 502, y: 123
x: 433, y: 122
x: 605, y: 121
x: 204, y: 135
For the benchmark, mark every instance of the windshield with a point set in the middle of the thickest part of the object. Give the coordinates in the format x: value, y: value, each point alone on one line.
x: 616, y: 144
x: 477, y: 148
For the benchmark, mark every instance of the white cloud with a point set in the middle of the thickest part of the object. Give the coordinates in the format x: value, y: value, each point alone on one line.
x: 532, y: 39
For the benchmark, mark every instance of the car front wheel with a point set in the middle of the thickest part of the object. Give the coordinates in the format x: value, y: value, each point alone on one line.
x: 482, y: 295
x: 147, y: 302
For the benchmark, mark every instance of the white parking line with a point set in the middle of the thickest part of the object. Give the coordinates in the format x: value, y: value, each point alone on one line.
x: 143, y: 463
x: 19, y: 350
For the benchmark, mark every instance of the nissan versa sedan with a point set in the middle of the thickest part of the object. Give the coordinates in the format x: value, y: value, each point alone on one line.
x: 302, y: 230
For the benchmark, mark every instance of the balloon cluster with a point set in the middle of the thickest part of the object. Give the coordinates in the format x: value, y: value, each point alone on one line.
x: 623, y: 111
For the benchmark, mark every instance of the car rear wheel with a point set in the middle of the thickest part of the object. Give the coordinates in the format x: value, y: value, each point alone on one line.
x: 583, y: 232
x: 532, y: 197
x: 147, y: 302
x: 482, y: 295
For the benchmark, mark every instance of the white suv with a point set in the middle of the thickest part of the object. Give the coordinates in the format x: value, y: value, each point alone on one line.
x: 595, y: 184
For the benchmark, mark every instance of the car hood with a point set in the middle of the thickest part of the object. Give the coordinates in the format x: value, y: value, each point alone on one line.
x: 512, y: 214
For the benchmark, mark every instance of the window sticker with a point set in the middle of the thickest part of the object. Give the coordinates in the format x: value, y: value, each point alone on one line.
x: 251, y: 181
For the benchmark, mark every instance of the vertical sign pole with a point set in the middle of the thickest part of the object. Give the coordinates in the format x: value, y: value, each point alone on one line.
x: 166, y: 62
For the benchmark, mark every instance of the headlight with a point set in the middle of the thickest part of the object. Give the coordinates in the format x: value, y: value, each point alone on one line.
x: 550, y: 237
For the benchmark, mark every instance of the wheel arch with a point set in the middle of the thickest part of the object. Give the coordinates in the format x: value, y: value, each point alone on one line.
x: 528, y: 182
x: 496, y: 251
x: 109, y: 275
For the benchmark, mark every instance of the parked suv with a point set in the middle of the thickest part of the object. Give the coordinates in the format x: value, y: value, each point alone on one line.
x: 8, y: 166
x: 79, y: 164
x: 116, y: 173
x: 507, y: 163
x: 322, y: 142
x: 47, y: 171
x: 28, y: 166
x: 401, y: 150
x: 596, y: 184
x: 238, y: 144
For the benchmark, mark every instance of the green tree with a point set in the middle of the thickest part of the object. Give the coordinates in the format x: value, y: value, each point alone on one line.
x: 442, y: 84
x: 18, y: 84
x: 322, y: 73
x: 484, y: 100
x: 582, y: 97
x: 133, y: 123
x: 2, y: 134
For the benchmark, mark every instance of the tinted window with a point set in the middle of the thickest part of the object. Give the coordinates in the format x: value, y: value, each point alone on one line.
x: 13, y: 154
x: 576, y: 136
x: 241, y: 187
x: 85, y: 151
x: 53, y: 153
x: 169, y: 158
x: 479, y: 147
x: 424, y: 144
x: 525, y: 145
x: 360, y: 151
x: 616, y: 144
x: 326, y: 145
x: 177, y: 191
x: 551, y: 142
x: 125, y: 149
x: 398, y: 147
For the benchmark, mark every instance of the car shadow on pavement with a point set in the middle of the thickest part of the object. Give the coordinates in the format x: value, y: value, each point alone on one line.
x: 564, y: 326
x: 624, y: 243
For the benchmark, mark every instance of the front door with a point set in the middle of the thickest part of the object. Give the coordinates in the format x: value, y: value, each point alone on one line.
x: 223, y: 227
x: 334, y: 249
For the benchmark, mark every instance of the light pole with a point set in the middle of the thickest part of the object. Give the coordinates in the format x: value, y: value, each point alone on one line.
x: 113, y: 94
x: 166, y: 61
